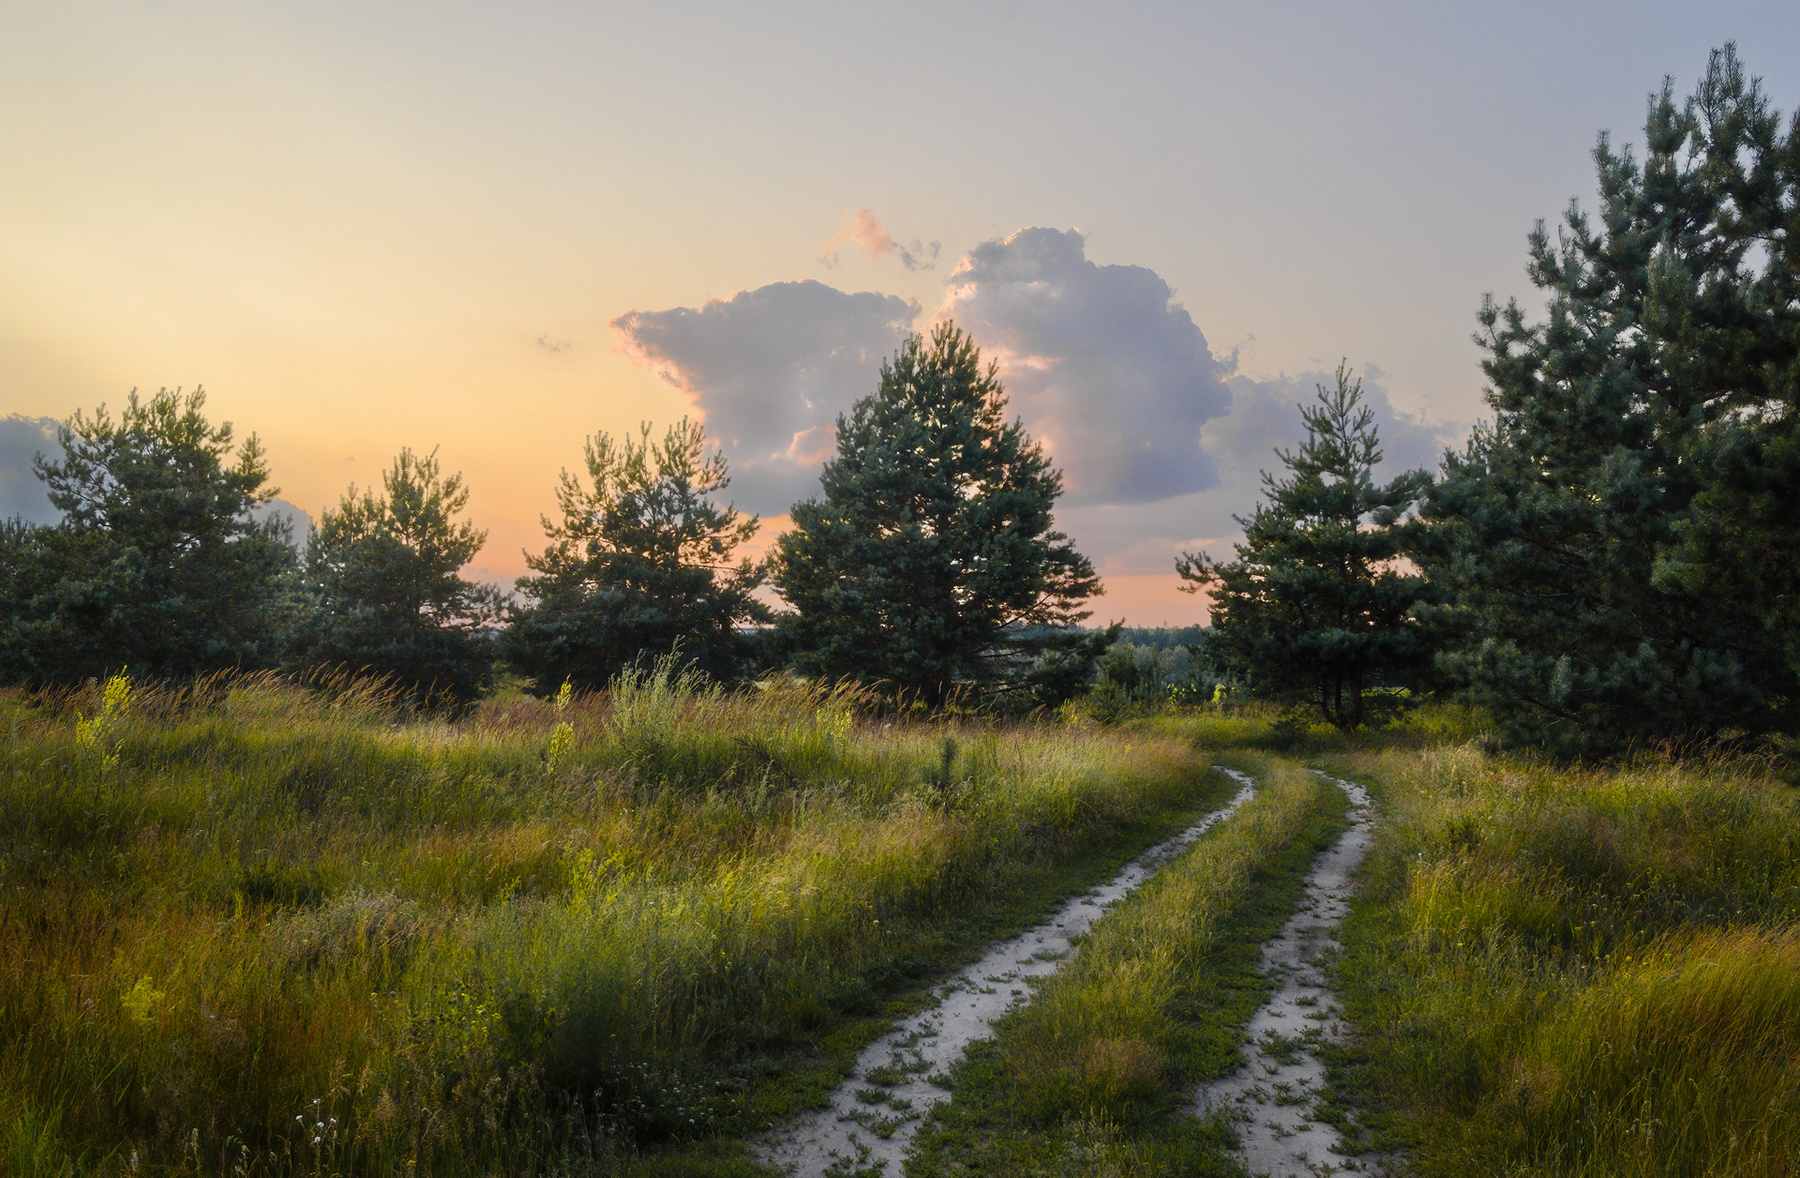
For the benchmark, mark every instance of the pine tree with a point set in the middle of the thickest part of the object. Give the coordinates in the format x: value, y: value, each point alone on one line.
x: 1314, y: 610
x: 384, y: 572
x: 1621, y: 540
x: 641, y: 562
x: 157, y: 564
x: 930, y: 563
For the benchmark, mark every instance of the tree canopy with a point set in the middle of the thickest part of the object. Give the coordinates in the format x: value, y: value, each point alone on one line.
x: 384, y: 574
x: 930, y: 561
x: 1315, y: 610
x: 1620, y: 540
x: 641, y: 560
x: 157, y: 564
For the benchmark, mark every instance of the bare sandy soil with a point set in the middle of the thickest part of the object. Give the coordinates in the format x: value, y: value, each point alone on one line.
x: 1272, y: 1097
x: 874, y: 1115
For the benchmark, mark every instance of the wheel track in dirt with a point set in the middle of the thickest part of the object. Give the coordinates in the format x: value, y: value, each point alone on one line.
x: 1272, y: 1098
x: 875, y: 1113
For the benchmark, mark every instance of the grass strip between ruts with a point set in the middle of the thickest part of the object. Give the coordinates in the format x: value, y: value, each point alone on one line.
x: 1097, y: 1072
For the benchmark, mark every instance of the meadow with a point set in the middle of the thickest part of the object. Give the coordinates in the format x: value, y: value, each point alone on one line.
x: 256, y: 927
x: 264, y: 928
x: 1577, y: 971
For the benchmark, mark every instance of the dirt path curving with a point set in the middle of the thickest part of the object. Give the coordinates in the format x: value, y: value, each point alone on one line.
x: 875, y: 1113
x: 1272, y: 1098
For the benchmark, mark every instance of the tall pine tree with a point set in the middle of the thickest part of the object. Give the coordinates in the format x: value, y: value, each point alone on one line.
x: 1315, y: 610
x: 930, y: 563
x: 1621, y: 540
x: 157, y: 564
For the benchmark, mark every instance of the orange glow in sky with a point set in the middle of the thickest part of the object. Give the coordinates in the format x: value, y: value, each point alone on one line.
x: 375, y: 225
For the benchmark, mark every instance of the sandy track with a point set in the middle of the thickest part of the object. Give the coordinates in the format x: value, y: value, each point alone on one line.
x: 874, y: 1115
x: 1272, y: 1097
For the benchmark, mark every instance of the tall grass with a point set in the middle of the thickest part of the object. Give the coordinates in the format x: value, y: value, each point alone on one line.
x: 1579, y: 972
x: 1095, y: 1074
x: 275, y: 929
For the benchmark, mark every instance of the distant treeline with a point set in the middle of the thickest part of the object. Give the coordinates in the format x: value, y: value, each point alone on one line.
x: 1162, y: 637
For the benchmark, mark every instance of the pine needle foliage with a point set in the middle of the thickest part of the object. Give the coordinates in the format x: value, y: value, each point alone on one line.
x: 930, y: 563
x: 1620, y: 540
x: 387, y: 594
x: 1314, y: 609
x: 157, y: 561
x: 641, y: 560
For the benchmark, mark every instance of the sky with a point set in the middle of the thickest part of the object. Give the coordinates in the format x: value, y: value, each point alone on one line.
x: 497, y: 229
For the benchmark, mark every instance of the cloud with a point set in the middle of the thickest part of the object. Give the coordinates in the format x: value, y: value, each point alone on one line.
x: 553, y: 346
x: 1105, y: 368
x: 298, y: 520
x: 1263, y: 416
x: 863, y: 231
x: 768, y: 371
x: 21, y: 492
x: 1161, y: 442
x: 918, y: 257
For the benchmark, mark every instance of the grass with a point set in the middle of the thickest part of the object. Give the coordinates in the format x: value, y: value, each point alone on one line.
x: 255, y: 928
x: 1577, y: 971
x: 260, y: 928
x: 1096, y: 1074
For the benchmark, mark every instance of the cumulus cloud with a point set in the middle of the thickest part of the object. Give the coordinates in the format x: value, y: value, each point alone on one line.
x: 768, y: 371
x: 1263, y: 416
x: 1161, y: 443
x: 298, y: 519
x: 1106, y: 369
x: 864, y: 232
x: 21, y: 493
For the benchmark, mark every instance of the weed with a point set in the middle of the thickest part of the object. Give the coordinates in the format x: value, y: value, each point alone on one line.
x: 485, y: 949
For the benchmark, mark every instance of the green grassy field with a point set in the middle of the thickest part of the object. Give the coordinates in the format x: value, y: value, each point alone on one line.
x: 263, y: 929
x: 251, y: 928
x: 1574, y: 972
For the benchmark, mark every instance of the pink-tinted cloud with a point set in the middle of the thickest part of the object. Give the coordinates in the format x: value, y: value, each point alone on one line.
x: 811, y: 447
x: 864, y: 232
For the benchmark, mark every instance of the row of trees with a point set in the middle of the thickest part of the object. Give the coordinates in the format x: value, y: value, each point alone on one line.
x: 1611, y: 562
x: 928, y: 564
x: 1608, y: 563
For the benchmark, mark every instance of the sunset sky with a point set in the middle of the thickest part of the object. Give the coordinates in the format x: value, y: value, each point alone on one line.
x: 495, y: 229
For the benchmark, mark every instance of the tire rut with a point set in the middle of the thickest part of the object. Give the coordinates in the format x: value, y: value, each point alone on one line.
x: 1273, y: 1098
x: 873, y: 1115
